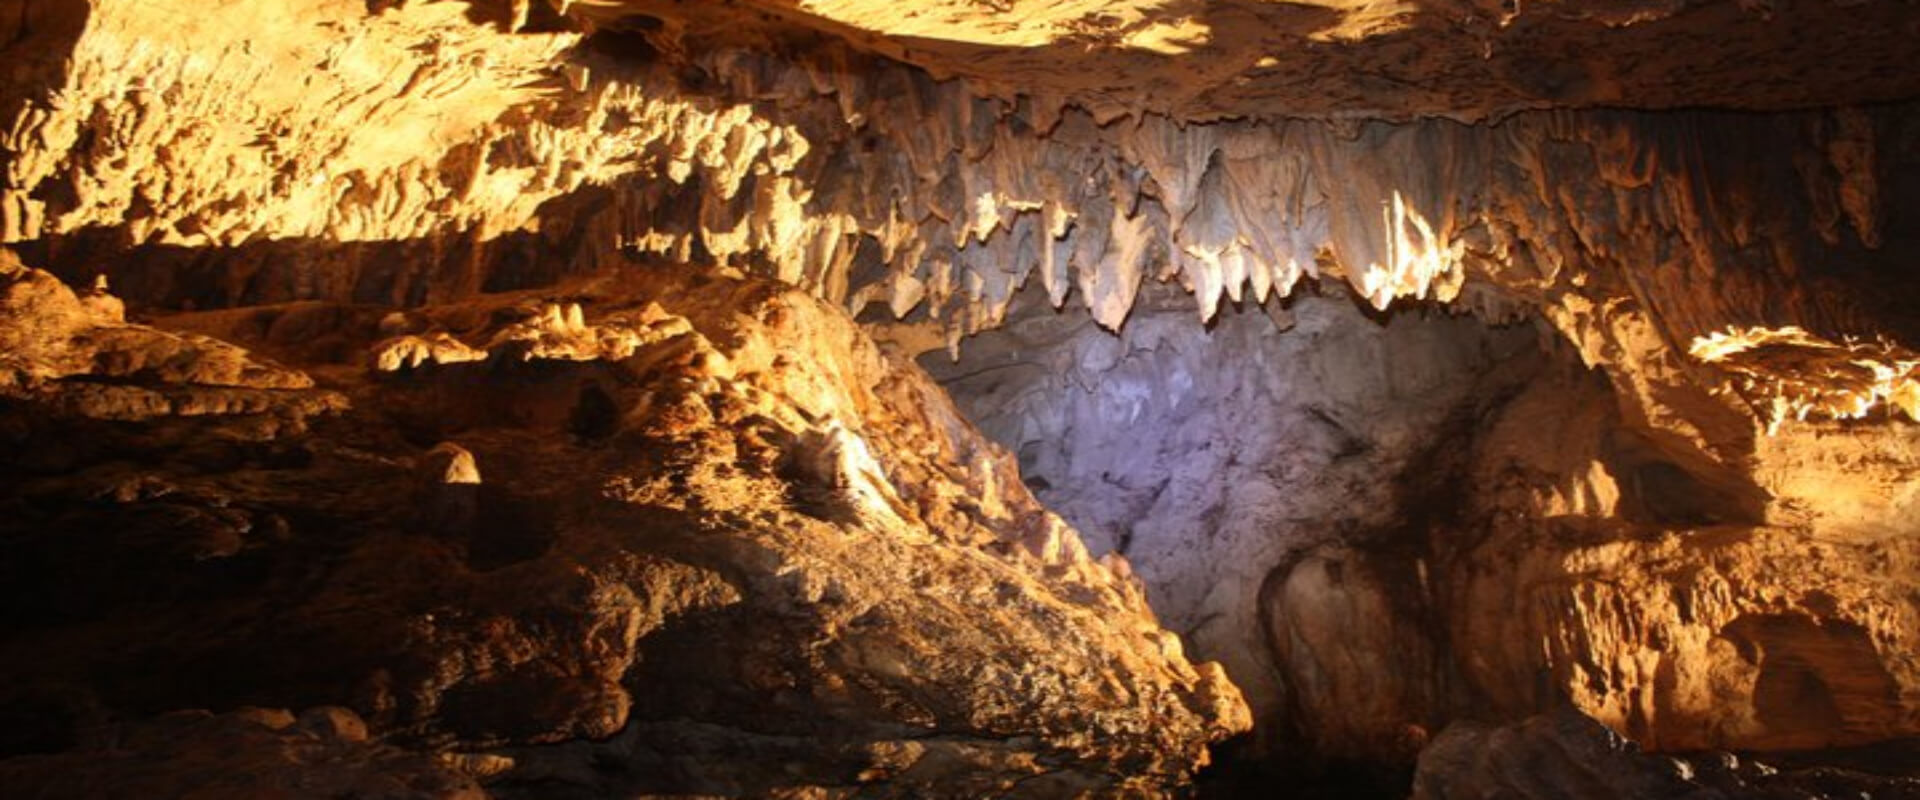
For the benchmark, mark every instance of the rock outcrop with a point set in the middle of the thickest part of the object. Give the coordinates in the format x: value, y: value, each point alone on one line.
x: 487, y: 367
x: 1566, y: 756
x: 1468, y: 60
x: 62, y: 349
x: 1380, y: 528
x: 1684, y: 610
x: 1211, y: 458
x: 323, y: 752
x: 509, y: 155
x: 748, y: 554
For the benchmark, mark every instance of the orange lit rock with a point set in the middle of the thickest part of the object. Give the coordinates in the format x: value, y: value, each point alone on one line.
x: 1545, y: 353
x: 749, y: 545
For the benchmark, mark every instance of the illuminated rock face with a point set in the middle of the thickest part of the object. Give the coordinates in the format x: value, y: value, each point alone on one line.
x: 866, y: 181
x: 750, y: 554
x: 1210, y: 458
x: 1466, y: 59
x: 1382, y: 528
x: 1418, y: 372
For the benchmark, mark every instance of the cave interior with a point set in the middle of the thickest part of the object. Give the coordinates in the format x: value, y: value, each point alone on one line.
x: 955, y: 399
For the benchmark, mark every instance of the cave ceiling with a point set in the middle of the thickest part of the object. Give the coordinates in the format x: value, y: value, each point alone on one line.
x: 1463, y: 59
x: 409, y: 152
x: 1543, y: 351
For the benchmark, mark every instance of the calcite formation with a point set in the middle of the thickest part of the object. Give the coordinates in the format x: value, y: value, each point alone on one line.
x: 78, y: 352
x: 749, y: 553
x: 867, y: 181
x: 1791, y: 373
x: 489, y: 368
x: 1466, y: 59
x: 1469, y: 527
x: 1209, y: 458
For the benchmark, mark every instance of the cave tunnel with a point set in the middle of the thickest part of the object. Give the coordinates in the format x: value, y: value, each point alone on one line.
x: 856, y: 399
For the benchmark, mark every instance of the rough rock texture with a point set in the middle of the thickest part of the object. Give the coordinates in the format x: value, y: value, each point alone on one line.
x: 507, y: 159
x: 1682, y: 610
x: 1210, y: 457
x: 1791, y: 373
x: 78, y: 354
x: 1566, y: 756
x: 323, y: 752
x: 1469, y: 59
x: 1382, y: 527
x: 1688, y: 512
x: 747, y: 554
x: 661, y: 140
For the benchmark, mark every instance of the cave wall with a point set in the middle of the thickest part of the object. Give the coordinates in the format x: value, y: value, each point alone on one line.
x: 1672, y: 613
x: 1573, y: 492
x: 1381, y: 525
x: 1213, y: 457
x: 509, y: 156
x: 657, y: 533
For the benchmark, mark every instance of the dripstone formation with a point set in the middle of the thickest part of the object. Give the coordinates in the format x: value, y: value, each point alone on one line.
x: 1039, y: 398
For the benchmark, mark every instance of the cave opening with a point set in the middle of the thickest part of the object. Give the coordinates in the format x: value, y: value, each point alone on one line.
x: 1282, y: 480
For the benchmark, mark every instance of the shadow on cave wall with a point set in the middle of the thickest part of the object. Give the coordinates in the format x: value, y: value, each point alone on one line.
x: 36, y: 42
x: 1663, y: 489
x: 1820, y: 684
x: 457, y: 263
x: 151, y: 567
x: 1387, y: 582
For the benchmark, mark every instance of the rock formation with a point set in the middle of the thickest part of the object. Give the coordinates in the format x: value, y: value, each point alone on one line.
x: 1566, y: 755
x: 246, y: 753
x: 742, y: 553
x: 534, y: 382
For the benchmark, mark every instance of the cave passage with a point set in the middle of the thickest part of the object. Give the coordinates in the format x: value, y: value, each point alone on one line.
x: 1223, y: 460
x: 463, y: 399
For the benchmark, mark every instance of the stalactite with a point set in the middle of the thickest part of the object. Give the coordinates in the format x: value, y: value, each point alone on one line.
x: 863, y: 180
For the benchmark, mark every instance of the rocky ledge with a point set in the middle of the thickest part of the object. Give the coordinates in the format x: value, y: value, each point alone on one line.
x: 661, y: 533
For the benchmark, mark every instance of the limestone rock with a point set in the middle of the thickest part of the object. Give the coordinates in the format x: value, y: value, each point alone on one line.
x: 1320, y: 58
x: 1791, y: 373
x: 79, y: 355
x: 1213, y: 460
x: 756, y: 555
x: 1566, y: 755
x: 1518, y: 379
x: 247, y: 753
x: 1378, y: 531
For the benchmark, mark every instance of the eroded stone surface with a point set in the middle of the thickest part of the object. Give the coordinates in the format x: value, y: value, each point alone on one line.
x: 245, y: 753
x: 1695, y: 567
x: 1469, y: 60
x: 1381, y: 527
x: 749, y: 554
x: 865, y: 181
x: 1212, y: 457
x: 1566, y: 755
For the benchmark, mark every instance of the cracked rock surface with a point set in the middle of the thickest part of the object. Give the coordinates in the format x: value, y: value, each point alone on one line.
x: 488, y: 368
x: 751, y: 554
